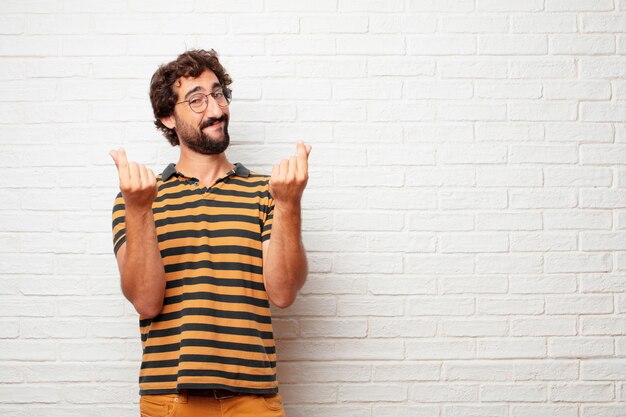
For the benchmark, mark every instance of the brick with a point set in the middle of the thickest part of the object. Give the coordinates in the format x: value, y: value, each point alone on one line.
x: 579, y: 5
x: 509, y: 263
x: 481, y: 284
x: 406, y: 371
x: 444, y: 306
x: 333, y: 242
x: 474, y: 410
x: 300, y: 6
x: 474, y: 328
x: 603, y: 23
x: 517, y: 393
x: 473, y: 243
x: 592, y: 283
x: 302, y: 372
x: 474, y: 24
x: 544, y: 326
x: 435, y: 221
x: 532, y: 410
x: 473, y: 200
x: 543, y: 198
x: 579, y: 132
x: 369, y: 177
x: 592, y: 90
x: 372, y: 392
x: 458, y: 6
x: 582, y: 44
x: 512, y: 348
x: 602, y: 370
x: 400, y: 328
x: 290, y: 89
x: 543, y: 284
x: 370, y: 6
x: 577, y: 392
x: 403, y: 410
x: 399, y: 66
x: 513, y: 90
x: 426, y: 393
x: 507, y: 306
x: 577, y: 262
x: 602, y: 67
x: 603, y: 198
x: 301, y: 45
x: 250, y: 24
x: 593, y: 241
x: 404, y: 23
x: 444, y: 348
x: 508, y: 177
x: 401, y: 111
x: 602, y: 326
x: 543, y: 68
x: 508, y: 6
x: 401, y: 242
x: 27, y: 350
x: 506, y: 44
x: 428, y: 45
x: 581, y: 220
x: 578, y: 177
x: 439, y: 264
x: 29, y: 394
x: 508, y: 221
x: 335, y: 67
x: 543, y: 23
x: 333, y: 24
x: 446, y: 90
x: 463, y: 112
x: 234, y: 6
x: 369, y: 221
x: 91, y: 351
x: 467, y: 67
x: 532, y: 242
x: 397, y: 285
x: 371, y: 263
x: 333, y: 328
x: 46, y: 328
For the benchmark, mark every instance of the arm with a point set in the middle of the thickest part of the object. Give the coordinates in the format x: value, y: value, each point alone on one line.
x: 139, y: 259
x: 284, y: 259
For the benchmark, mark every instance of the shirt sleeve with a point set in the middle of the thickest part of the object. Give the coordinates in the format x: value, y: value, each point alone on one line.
x: 118, y: 223
x: 267, y: 215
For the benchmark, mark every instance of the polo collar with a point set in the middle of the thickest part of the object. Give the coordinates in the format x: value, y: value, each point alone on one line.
x: 238, y: 169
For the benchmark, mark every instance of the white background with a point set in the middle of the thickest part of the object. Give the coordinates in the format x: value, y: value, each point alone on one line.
x: 465, y: 216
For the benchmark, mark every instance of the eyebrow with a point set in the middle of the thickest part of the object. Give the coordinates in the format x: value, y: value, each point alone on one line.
x: 198, y: 88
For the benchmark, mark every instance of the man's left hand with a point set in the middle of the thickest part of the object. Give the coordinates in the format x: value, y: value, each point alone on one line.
x: 290, y: 176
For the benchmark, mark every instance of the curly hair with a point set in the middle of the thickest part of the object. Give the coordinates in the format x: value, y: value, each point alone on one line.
x: 191, y: 63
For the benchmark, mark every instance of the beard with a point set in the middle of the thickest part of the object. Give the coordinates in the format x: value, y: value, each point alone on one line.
x: 198, y: 141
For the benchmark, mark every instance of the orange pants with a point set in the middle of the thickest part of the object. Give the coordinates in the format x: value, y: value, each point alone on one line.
x: 184, y: 405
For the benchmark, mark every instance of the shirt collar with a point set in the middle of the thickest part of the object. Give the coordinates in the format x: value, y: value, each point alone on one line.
x: 238, y: 169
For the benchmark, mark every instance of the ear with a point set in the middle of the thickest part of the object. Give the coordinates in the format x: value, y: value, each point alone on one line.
x: 169, y: 121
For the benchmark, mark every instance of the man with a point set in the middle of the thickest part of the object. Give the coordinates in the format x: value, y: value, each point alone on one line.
x: 195, y: 256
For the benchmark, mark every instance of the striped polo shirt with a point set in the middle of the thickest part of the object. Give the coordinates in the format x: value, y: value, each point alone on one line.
x: 215, y: 329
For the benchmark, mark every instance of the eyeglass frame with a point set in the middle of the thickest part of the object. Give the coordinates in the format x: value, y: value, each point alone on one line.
x: 226, y: 92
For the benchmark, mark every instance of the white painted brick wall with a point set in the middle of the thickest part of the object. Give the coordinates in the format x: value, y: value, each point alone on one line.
x: 465, y: 214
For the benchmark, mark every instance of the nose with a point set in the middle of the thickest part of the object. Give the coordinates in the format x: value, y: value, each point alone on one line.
x: 213, y: 109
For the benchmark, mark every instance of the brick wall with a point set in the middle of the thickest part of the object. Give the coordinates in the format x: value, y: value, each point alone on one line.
x: 465, y: 216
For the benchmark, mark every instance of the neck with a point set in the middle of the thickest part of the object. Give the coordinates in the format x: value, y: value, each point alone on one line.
x: 206, y: 168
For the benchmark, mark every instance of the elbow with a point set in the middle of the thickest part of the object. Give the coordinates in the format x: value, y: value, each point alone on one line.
x: 146, y: 308
x: 283, y: 301
x: 148, y: 311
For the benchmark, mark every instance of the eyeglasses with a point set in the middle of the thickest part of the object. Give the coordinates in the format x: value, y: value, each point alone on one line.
x: 199, y: 101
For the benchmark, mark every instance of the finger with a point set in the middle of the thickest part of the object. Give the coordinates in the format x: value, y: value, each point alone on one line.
x: 293, y: 167
x: 134, y: 175
x: 113, y: 154
x: 308, y: 149
x: 122, y: 165
x: 303, y: 158
x: 145, y: 178
x: 284, y: 168
x: 275, y: 171
x: 151, y: 177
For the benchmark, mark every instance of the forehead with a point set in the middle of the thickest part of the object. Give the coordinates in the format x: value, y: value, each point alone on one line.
x: 205, y: 81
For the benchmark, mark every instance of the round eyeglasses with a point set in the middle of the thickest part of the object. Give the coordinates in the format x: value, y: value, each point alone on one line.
x: 198, y: 102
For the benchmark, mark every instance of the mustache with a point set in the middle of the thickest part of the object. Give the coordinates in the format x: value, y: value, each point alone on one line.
x: 208, y: 122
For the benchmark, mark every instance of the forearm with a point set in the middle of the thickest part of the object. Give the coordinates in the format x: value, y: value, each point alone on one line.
x: 143, y: 275
x: 285, y: 268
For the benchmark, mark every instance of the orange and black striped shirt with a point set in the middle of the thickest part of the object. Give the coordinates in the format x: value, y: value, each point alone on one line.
x: 215, y: 328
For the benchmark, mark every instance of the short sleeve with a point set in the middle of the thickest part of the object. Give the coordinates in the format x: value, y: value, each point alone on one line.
x: 267, y: 214
x: 118, y: 223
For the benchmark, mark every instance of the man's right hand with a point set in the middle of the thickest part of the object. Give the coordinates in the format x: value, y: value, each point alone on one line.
x: 137, y: 182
